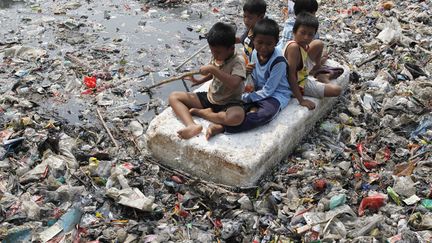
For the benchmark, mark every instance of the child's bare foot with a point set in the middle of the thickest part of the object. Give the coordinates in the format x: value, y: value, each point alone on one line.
x: 214, y: 129
x: 189, y: 131
x: 200, y: 112
x: 323, y: 77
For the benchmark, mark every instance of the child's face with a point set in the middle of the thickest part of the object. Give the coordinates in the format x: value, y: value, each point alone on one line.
x: 221, y: 53
x: 304, y: 35
x: 264, y: 45
x: 250, y: 19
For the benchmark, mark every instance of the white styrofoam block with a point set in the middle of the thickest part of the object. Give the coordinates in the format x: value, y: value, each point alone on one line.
x: 236, y: 159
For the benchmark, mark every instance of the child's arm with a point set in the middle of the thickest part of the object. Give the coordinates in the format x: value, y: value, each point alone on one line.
x: 231, y: 81
x: 197, y: 81
x: 293, y: 56
x: 276, y: 75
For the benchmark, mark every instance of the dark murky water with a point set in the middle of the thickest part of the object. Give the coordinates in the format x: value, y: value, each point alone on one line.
x: 147, y: 39
x: 8, y: 3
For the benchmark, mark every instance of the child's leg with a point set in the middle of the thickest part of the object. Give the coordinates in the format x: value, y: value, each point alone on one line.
x: 332, y: 90
x: 233, y: 116
x: 323, y: 77
x: 325, y: 73
x: 180, y: 103
x: 315, y: 52
x: 267, y: 109
x: 316, y: 89
x: 214, y: 129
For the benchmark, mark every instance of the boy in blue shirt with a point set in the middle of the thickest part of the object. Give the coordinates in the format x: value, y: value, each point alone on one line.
x: 253, y: 11
x: 272, y: 92
x: 309, y: 6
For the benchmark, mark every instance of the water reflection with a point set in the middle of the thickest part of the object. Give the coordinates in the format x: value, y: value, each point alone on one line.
x: 8, y: 3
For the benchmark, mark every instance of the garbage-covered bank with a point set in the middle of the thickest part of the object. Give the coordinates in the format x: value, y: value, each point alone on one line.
x: 74, y: 108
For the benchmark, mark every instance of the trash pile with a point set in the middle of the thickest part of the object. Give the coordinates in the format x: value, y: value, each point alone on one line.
x: 73, y: 164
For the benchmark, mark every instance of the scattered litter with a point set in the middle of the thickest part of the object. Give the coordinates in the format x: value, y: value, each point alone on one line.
x: 73, y: 160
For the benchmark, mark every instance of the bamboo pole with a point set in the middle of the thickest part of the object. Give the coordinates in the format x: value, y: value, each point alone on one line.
x: 169, y: 80
x: 192, y: 56
x: 106, y: 128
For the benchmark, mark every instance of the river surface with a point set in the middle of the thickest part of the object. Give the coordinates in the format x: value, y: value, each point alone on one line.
x: 142, y: 41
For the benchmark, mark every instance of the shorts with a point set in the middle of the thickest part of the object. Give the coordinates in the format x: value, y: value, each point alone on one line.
x: 313, y: 88
x: 202, y: 96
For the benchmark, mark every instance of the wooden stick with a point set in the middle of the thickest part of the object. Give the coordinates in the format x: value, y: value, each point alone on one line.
x: 106, y: 128
x: 208, y: 184
x: 78, y: 62
x: 192, y: 56
x: 171, y: 79
x: 430, y: 59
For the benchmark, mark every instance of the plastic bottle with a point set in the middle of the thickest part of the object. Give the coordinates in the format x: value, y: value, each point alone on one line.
x: 249, y: 84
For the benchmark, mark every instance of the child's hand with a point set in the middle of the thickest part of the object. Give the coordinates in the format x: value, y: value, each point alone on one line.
x: 250, y: 67
x: 307, y: 103
x: 207, y: 69
x: 193, y: 80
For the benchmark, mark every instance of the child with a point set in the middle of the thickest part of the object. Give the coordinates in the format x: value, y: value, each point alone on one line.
x: 253, y: 11
x: 224, y: 94
x: 310, y: 6
x: 297, y: 54
x: 272, y: 92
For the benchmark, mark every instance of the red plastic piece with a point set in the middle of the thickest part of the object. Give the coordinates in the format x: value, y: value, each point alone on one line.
x: 90, y: 82
x: 179, y: 211
x: 370, y: 164
x: 177, y: 179
x: 372, y: 203
x: 218, y: 223
x: 319, y: 184
x: 360, y: 149
x: 387, y: 153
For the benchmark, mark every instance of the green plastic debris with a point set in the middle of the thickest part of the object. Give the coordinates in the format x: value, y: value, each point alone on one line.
x: 394, y: 195
x: 23, y: 235
x: 51, y: 222
x: 337, y: 200
x: 62, y: 180
x: 427, y: 203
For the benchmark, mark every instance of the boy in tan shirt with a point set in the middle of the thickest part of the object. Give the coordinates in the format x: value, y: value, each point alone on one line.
x: 223, y: 98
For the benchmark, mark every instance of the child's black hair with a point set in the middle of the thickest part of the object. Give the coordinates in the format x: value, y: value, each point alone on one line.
x: 306, y: 19
x: 257, y: 7
x: 310, y: 6
x: 221, y: 34
x: 267, y: 27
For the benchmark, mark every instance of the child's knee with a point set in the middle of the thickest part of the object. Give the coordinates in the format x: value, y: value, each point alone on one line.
x: 337, y: 90
x: 316, y: 47
x: 266, y: 114
x: 234, y: 118
x: 319, y: 44
x: 174, y: 96
x: 332, y: 90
